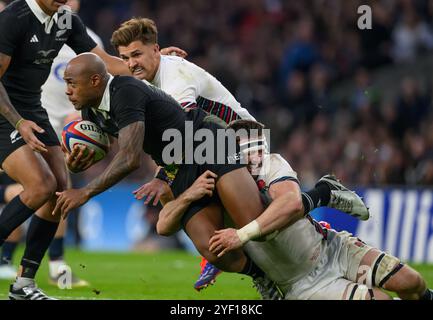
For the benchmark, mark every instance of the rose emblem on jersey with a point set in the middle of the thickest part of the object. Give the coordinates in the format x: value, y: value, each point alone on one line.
x: 261, y: 184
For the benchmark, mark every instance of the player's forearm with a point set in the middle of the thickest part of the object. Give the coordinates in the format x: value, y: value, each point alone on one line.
x: 119, y: 168
x: 7, y: 110
x: 281, y: 213
x: 115, y: 65
x: 170, y: 216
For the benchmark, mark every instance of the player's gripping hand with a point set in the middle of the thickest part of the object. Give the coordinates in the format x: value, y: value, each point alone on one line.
x: 223, y: 241
x: 203, y: 186
x: 173, y: 51
x: 80, y: 158
x: 154, y: 189
x: 26, y: 129
x: 69, y: 200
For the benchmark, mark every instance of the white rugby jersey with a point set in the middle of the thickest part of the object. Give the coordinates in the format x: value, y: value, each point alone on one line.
x: 295, y: 250
x: 53, y: 97
x: 189, y: 84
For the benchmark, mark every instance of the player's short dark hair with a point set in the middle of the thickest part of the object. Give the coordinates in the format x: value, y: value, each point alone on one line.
x: 136, y: 29
x: 247, y: 125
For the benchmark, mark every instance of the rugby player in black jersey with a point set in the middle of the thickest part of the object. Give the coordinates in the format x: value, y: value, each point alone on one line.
x: 32, y: 33
x: 138, y: 115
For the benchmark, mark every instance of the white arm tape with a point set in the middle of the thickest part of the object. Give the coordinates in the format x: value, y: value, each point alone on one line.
x: 248, y: 232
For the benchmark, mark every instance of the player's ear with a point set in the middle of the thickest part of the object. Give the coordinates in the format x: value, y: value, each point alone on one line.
x: 95, y: 79
x: 157, y: 49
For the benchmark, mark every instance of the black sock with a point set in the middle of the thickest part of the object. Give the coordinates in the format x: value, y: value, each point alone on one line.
x: 252, y: 270
x: 39, y: 236
x: 56, y: 249
x: 428, y: 295
x: 317, y: 197
x: 8, y: 249
x: 2, y: 193
x: 13, y: 215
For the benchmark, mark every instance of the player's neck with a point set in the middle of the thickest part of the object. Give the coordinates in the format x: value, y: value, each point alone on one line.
x: 157, y: 66
x: 97, y: 102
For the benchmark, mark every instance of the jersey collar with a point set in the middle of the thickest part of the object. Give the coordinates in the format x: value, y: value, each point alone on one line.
x: 43, y: 18
x: 105, y: 102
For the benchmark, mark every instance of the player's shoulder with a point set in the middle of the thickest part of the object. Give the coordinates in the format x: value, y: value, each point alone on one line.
x: 277, y: 161
x: 175, y: 63
x: 122, y: 82
x: 17, y: 11
x: 276, y: 168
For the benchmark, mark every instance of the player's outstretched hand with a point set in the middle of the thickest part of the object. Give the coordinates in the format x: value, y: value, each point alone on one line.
x: 174, y: 51
x: 223, y: 241
x: 69, y: 200
x: 81, y: 158
x: 203, y: 186
x: 26, y: 129
x: 154, y: 189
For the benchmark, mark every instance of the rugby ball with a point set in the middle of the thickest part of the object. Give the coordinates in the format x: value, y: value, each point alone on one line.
x: 87, y: 133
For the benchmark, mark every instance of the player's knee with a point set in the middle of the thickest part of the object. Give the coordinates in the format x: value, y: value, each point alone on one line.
x: 413, y: 282
x: 40, y: 191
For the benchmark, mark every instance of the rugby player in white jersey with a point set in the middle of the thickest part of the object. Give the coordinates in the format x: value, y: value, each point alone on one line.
x: 137, y: 43
x: 304, y: 259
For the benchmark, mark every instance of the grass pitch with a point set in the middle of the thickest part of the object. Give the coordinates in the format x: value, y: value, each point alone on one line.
x: 149, y: 276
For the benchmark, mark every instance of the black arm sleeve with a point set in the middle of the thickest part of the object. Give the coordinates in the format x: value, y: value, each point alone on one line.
x: 129, y: 105
x: 79, y: 40
x: 10, y: 32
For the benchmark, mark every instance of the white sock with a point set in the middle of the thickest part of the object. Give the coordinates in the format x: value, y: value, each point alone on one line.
x: 21, y: 282
x: 55, y: 267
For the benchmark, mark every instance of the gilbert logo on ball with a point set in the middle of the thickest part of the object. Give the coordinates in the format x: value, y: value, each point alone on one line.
x: 82, y: 132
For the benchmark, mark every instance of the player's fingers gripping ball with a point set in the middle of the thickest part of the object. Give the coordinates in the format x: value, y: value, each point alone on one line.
x: 86, y: 133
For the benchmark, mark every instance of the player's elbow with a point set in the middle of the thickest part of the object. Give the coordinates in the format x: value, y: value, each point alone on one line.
x: 162, y: 229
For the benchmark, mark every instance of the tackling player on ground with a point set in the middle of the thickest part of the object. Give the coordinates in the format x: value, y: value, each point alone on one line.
x: 306, y: 260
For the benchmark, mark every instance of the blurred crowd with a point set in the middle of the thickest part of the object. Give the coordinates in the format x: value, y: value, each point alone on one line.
x: 281, y: 59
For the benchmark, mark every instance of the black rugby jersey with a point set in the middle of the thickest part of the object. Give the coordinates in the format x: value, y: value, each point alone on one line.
x: 131, y: 100
x: 24, y: 37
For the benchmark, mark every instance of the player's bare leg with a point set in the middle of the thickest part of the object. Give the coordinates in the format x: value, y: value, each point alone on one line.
x: 201, y: 227
x: 401, y: 279
x: 240, y: 197
x: 43, y: 175
x: 57, y: 264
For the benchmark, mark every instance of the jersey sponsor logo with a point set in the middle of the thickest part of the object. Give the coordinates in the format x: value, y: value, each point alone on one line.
x: 15, y: 136
x: 45, y: 53
x: 45, y: 59
x: 34, y: 39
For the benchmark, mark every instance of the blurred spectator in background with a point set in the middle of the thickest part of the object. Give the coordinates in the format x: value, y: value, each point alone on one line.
x: 283, y: 60
x: 152, y: 241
